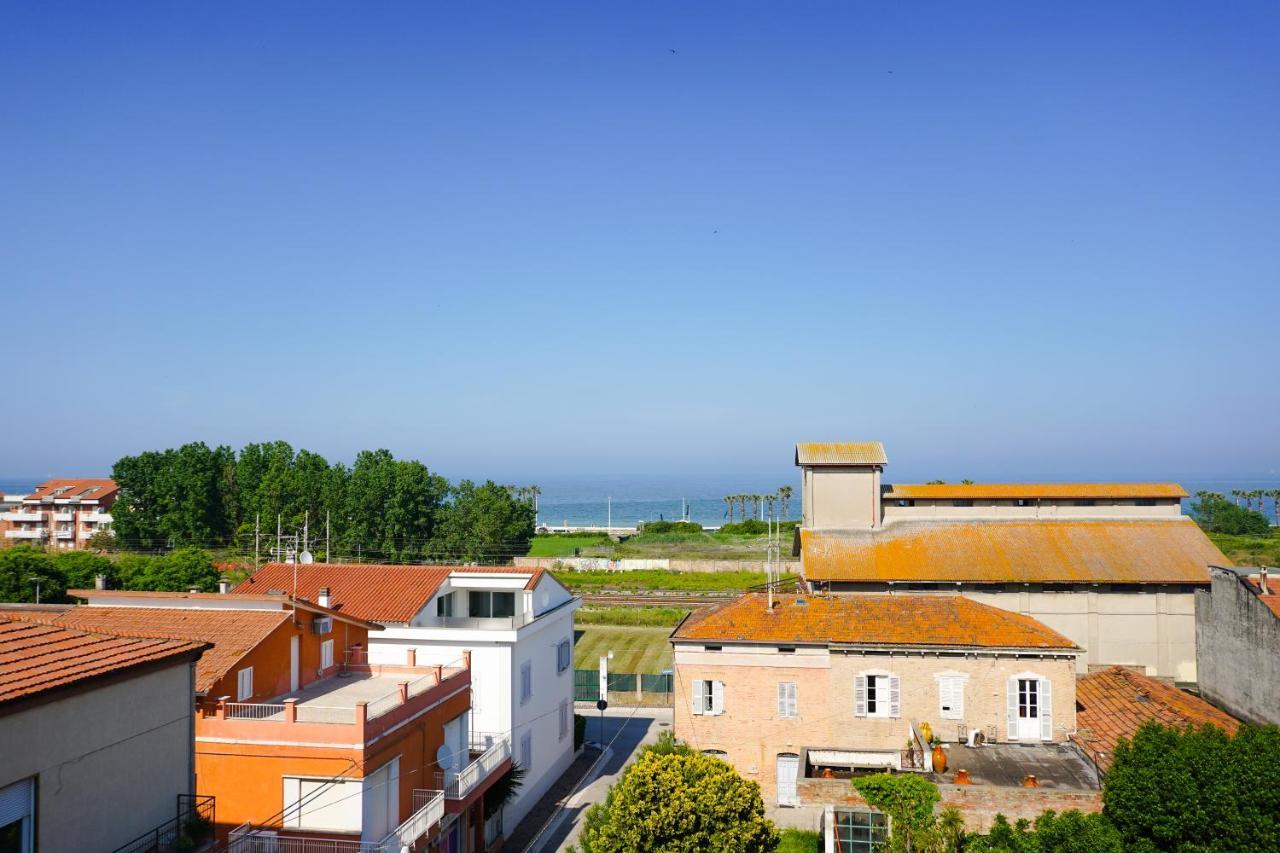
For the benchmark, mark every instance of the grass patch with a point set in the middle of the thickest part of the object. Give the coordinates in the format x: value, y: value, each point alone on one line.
x: 634, y: 649
x: 642, y: 616
x: 1248, y: 550
x: 800, y: 841
x: 694, y: 546
x: 563, y: 545
x: 643, y: 580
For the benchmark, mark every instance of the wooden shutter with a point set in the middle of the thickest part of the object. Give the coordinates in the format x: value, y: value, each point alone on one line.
x: 699, y: 696
x: 860, y: 696
x: 1011, y: 689
x: 717, y: 697
x: 786, y: 699
x: 1046, y: 711
x: 895, y: 695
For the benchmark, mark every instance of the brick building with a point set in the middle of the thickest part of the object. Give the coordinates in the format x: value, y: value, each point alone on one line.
x: 60, y: 514
x: 820, y: 687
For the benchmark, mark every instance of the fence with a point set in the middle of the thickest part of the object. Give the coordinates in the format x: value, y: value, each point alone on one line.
x: 625, y: 688
x: 193, y: 823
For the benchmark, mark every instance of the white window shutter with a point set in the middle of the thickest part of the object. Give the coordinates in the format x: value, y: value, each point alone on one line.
x: 860, y: 696
x: 1012, y: 690
x: 895, y: 695
x: 1046, y: 711
x: 957, y: 698
x: 782, y: 698
x: 717, y: 697
x: 699, y: 696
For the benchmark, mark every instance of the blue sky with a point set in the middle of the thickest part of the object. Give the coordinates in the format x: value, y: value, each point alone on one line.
x: 529, y: 241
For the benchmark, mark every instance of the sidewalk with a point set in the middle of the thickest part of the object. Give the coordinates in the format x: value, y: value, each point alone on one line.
x: 551, y: 801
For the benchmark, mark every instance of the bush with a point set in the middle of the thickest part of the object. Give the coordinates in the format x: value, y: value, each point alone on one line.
x: 756, y: 527
x: 21, y: 563
x: 671, y: 527
x: 1219, y: 515
x: 81, y: 568
x: 1069, y: 832
x: 1196, y: 789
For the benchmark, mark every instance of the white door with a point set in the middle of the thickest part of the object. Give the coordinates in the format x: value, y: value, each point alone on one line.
x: 788, y: 771
x: 293, y: 663
x: 1029, y: 709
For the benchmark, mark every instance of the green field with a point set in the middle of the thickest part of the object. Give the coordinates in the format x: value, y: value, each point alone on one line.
x: 800, y: 841
x: 643, y: 580
x: 563, y: 545
x: 653, y: 617
x: 634, y: 649
x: 1249, y: 550
x: 671, y: 546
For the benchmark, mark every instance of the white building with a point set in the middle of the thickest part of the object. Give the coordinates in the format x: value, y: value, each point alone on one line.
x: 516, y: 622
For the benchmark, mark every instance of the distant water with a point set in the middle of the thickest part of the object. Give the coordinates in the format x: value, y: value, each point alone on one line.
x: 16, y: 486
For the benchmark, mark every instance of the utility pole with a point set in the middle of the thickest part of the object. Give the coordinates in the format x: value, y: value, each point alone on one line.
x: 257, y: 517
x: 306, y: 530
x: 327, y: 558
x: 278, y: 522
x: 609, y: 503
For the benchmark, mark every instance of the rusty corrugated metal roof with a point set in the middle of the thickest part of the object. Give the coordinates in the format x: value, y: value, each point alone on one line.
x: 840, y: 453
x: 945, y: 621
x: 1155, y: 551
x: 1010, y: 491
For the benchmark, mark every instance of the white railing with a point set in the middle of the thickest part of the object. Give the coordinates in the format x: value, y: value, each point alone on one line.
x: 18, y: 515
x: 326, y: 714
x: 26, y: 534
x: 64, y: 516
x: 428, y: 809
x: 456, y: 786
x: 244, y: 839
x: 383, y: 705
x: 250, y: 711
x: 66, y: 533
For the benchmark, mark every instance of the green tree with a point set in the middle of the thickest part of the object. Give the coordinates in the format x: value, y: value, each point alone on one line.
x: 81, y: 568
x: 679, y: 801
x: 1219, y: 515
x: 175, y: 497
x: 177, y: 571
x: 484, y: 524
x: 18, y: 565
x: 1069, y: 832
x: 1196, y: 789
x: 908, y: 800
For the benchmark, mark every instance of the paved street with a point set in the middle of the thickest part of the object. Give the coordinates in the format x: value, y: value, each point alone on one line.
x: 625, y: 731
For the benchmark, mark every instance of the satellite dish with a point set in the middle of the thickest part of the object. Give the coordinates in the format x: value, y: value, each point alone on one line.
x: 444, y: 757
x: 305, y: 558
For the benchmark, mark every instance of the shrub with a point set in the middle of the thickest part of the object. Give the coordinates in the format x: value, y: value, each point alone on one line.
x: 672, y: 527
x: 756, y: 527
x: 1219, y: 515
x: 1069, y: 832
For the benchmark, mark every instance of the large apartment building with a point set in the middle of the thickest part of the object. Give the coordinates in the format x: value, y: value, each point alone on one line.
x: 1112, y: 566
x: 303, y: 742
x: 516, y: 624
x: 61, y: 514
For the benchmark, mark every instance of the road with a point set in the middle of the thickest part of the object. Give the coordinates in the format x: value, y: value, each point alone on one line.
x: 625, y: 731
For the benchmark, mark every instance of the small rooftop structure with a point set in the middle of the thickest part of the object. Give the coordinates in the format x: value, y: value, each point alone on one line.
x: 949, y: 621
x: 1115, y: 702
x: 841, y: 453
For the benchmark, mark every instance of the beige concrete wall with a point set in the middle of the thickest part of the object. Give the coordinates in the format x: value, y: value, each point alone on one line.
x: 1005, y: 510
x: 752, y: 735
x: 603, y: 564
x: 844, y: 498
x: 109, y: 762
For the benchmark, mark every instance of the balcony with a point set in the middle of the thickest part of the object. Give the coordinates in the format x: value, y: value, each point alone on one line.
x: 481, y: 623
x: 193, y: 823
x: 95, y: 517
x: 18, y: 515
x: 64, y: 516
x: 65, y: 533
x: 26, y: 534
x: 373, y: 699
x: 428, y: 810
x: 488, y: 754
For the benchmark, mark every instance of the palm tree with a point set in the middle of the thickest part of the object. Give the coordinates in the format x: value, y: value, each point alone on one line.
x: 769, y: 501
x: 728, y: 502
x: 1274, y: 494
x: 1237, y: 494
x: 742, y: 501
x: 784, y: 493
x: 534, y: 491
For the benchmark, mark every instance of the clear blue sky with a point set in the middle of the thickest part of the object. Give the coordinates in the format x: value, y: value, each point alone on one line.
x: 527, y: 240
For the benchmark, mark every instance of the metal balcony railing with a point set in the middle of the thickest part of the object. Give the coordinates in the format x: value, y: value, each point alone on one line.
x: 245, y: 839
x: 489, y: 751
x: 193, y: 824
x: 428, y: 809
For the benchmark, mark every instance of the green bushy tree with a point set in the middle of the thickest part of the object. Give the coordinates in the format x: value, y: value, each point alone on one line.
x: 80, y: 569
x: 1216, y: 514
x: 1069, y: 832
x: 18, y: 565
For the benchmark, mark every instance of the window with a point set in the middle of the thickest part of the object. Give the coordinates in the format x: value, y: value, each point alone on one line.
x: 861, y: 831
x: 564, y: 656
x: 711, y: 648
x: 906, y: 503
x: 786, y: 650
x: 1085, y: 502
x: 786, y: 700
x: 1030, y: 708
x: 876, y: 695
x: 962, y: 502
x: 526, y: 682
x: 526, y: 750
x: 718, y: 753
x: 708, y: 697
x: 17, y: 816
x: 323, y: 804
x: 1144, y: 502
x: 951, y: 696
x: 244, y: 684
x: 326, y: 654
x: 1025, y: 502
x: 564, y: 718
x: 444, y: 606
x: 485, y: 605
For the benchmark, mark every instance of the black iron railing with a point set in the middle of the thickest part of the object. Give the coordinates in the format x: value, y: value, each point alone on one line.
x: 192, y: 825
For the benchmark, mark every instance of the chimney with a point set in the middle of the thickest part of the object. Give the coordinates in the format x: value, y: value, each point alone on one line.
x: 1262, y: 581
x: 323, y: 599
x: 100, y: 582
x: 224, y: 586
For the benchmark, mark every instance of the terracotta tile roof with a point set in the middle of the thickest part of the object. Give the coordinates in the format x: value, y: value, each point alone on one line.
x: 233, y: 633
x: 36, y: 657
x: 1010, y: 491
x: 947, y: 621
x: 229, y: 600
x: 1164, y: 551
x: 103, y: 489
x: 380, y: 593
x: 1114, y: 702
x: 841, y: 453
x: 1269, y: 596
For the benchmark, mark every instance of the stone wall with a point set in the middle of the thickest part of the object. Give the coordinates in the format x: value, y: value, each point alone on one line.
x: 1238, y: 649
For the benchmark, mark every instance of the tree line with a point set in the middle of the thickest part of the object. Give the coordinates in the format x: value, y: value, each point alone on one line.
x: 378, y: 509
x: 28, y: 574
x: 758, y: 503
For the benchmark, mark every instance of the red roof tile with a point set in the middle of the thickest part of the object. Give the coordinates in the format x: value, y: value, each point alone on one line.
x: 948, y: 621
x: 233, y: 633
x: 36, y: 657
x: 1114, y: 702
x: 75, y: 487
x: 380, y: 593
